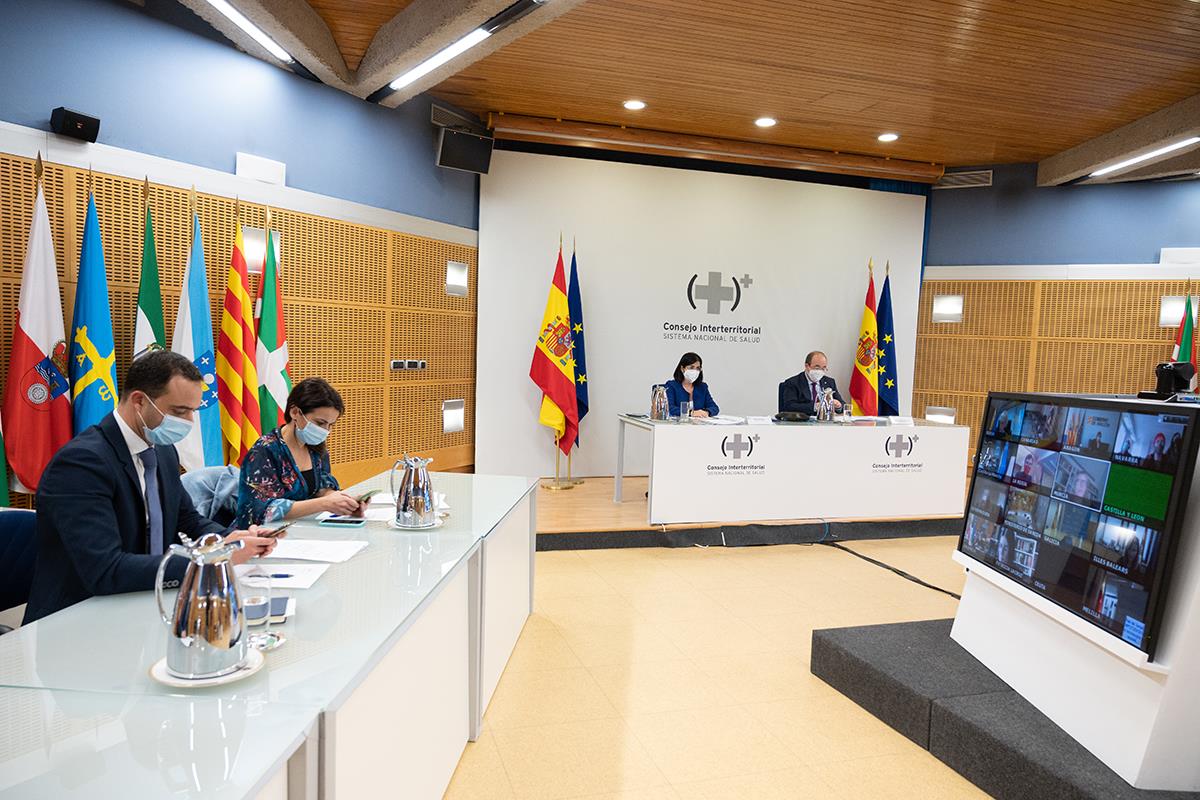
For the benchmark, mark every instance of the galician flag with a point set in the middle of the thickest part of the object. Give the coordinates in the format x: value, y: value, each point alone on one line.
x: 193, y: 338
x: 149, y: 332
x: 1185, y: 337
x: 274, y: 382
x: 92, y: 365
x: 553, y: 367
x: 37, y: 402
x: 889, y: 380
x: 238, y: 388
x: 864, y: 389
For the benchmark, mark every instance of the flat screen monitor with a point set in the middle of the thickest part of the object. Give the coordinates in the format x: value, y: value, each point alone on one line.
x: 1080, y: 500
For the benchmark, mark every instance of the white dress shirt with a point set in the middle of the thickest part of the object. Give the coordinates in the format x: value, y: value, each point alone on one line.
x: 137, y: 445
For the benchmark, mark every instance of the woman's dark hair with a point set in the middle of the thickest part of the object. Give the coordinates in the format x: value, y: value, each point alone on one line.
x: 310, y: 394
x: 685, y: 360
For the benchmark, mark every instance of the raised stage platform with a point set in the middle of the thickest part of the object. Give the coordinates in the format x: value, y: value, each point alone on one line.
x: 914, y: 677
x: 586, y: 518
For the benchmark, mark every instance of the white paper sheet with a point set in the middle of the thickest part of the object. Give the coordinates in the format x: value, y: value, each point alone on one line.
x: 759, y: 421
x: 333, y: 552
x: 718, y: 420
x: 301, y: 576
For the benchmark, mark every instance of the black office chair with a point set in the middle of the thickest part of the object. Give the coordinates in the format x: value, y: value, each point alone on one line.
x: 18, y: 547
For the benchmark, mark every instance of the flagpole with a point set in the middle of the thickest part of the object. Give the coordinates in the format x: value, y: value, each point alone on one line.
x: 558, y: 484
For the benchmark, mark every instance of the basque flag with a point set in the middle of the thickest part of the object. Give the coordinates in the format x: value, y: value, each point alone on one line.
x: 575, y: 306
x: 889, y: 380
x: 193, y: 339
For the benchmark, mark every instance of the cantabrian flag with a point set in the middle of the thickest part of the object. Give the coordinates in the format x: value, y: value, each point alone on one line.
x: 864, y: 387
x: 275, y: 384
x: 1185, y: 337
x: 237, y: 387
x: 37, y: 400
x: 553, y: 367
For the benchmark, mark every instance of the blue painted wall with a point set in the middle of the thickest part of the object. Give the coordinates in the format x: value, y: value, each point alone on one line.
x: 167, y: 91
x: 1015, y: 222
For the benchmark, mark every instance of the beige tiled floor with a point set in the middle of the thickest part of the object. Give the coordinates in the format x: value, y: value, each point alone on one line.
x: 682, y: 674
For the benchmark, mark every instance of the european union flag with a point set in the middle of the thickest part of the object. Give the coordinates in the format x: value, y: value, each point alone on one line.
x: 92, y: 365
x: 575, y: 311
x: 889, y: 380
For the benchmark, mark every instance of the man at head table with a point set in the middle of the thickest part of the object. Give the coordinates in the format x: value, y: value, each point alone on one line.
x: 110, y: 501
x: 803, y: 392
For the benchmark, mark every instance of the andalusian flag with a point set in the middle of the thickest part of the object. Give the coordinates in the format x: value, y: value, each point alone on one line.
x: 237, y: 387
x: 274, y: 382
x: 553, y: 367
x: 864, y: 390
x: 149, y: 333
x: 889, y: 379
x: 1185, y: 337
x: 92, y: 361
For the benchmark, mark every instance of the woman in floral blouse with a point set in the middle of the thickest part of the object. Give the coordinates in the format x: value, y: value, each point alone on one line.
x: 286, y: 474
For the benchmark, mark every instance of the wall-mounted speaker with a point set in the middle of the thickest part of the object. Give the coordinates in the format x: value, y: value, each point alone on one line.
x: 469, y: 152
x: 66, y: 122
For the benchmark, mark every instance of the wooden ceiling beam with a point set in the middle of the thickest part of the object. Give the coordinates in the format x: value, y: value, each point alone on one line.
x: 679, y: 145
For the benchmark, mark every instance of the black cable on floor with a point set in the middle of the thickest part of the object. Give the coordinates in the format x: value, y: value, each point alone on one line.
x: 899, y: 572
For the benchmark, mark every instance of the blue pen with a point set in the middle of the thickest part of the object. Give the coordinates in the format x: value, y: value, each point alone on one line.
x: 282, y: 575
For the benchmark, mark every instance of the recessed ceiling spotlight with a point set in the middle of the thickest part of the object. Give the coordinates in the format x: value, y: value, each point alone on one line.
x: 888, y: 137
x: 765, y: 122
x: 634, y: 105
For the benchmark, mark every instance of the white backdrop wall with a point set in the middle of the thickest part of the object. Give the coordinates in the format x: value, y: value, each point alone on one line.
x: 642, y: 234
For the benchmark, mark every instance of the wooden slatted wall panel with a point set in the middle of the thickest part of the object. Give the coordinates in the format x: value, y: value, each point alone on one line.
x: 1043, y: 336
x: 354, y: 298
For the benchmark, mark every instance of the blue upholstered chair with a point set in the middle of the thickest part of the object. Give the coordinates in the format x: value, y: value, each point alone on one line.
x: 18, y: 547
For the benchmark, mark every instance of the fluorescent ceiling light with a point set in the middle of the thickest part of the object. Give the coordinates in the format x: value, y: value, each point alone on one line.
x: 634, y: 105
x: 441, y: 57
x: 251, y: 30
x: 764, y: 122
x: 888, y: 137
x: 1162, y: 151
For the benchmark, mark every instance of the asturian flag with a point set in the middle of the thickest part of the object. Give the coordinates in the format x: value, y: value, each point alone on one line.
x: 864, y: 389
x: 274, y: 382
x: 889, y: 380
x: 193, y: 338
x: 36, y: 399
x: 238, y: 391
x: 149, y: 333
x: 93, y: 360
x: 553, y: 367
x: 575, y: 306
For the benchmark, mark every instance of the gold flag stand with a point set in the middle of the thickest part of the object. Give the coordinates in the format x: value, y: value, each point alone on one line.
x: 559, y: 483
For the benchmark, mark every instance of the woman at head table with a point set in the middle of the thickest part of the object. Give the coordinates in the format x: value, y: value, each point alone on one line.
x: 286, y: 474
x: 688, y: 386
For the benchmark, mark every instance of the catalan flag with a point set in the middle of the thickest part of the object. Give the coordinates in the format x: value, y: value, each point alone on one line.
x: 237, y: 388
x: 553, y: 367
x: 864, y: 387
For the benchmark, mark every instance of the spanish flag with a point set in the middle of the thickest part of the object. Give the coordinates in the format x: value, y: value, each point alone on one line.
x: 553, y: 367
x: 864, y: 386
x: 238, y: 386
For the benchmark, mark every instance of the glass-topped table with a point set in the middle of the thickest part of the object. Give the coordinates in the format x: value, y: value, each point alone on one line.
x: 349, y: 621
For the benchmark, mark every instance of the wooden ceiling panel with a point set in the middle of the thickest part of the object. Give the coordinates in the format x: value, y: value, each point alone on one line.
x: 962, y: 81
x: 354, y: 23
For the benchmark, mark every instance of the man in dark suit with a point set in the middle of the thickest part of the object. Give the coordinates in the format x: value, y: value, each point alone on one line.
x: 110, y: 502
x: 803, y: 392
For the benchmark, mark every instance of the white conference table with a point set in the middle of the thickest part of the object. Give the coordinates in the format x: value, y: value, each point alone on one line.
x: 867, y: 468
x: 393, y: 654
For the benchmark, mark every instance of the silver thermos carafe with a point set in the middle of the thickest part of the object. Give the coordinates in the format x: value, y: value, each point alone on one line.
x: 660, y: 408
x: 415, y: 506
x: 206, y: 632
